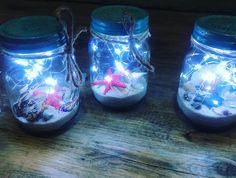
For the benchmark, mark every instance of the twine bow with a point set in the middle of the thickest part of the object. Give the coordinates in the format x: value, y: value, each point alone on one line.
x: 128, y: 24
x: 74, y: 73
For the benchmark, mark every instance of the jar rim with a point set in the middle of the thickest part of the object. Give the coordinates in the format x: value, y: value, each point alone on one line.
x: 31, y: 34
x: 120, y: 39
x: 108, y: 19
x: 216, y: 31
x: 231, y: 53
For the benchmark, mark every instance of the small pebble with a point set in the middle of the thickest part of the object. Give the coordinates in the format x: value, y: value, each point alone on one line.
x: 226, y: 113
x: 187, y: 97
x: 196, y: 105
x: 47, y: 115
x: 198, y: 87
x: 198, y: 99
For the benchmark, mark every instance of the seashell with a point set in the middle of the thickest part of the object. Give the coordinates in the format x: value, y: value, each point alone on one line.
x: 198, y: 98
x: 69, y: 106
x: 28, y: 109
x: 47, y: 115
x: 189, y: 87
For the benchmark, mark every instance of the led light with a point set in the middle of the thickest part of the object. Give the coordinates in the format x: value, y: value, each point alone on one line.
x: 209, y: 77
x: 208, y: 88
x: 137, y: 46
x: 183, y: 75
x: 34, y: 71
x: 94, y: 68
x: 215, y: 102
x: 108, y: 78
x: 94, y: 47
x: 51, y: 81
x: 118, y: 51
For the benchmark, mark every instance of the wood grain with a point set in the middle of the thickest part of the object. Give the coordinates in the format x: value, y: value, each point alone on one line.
x: 148, y: 140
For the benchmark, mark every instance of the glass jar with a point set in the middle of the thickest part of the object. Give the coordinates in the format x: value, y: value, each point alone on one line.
x: 118, y: 76
x: 207, y: 88
x: 35, y: 67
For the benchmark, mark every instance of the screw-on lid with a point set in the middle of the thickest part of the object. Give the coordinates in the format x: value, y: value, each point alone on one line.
x: 31, y: 34
x: 216, y: 31
x: 108, y: 19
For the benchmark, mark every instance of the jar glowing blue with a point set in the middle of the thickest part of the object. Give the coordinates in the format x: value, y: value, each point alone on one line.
x: 34, y: 56
x: 118, y: 79
x: 207, y: 89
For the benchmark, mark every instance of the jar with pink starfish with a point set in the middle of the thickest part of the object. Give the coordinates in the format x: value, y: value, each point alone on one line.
x: 39, y: 72
x: 120, y: 55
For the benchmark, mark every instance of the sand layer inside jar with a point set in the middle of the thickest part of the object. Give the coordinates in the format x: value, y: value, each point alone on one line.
x: 122, y: 97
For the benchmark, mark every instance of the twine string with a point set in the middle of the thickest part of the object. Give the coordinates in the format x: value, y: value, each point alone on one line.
x: 66, y: 19
x: 129, y: 24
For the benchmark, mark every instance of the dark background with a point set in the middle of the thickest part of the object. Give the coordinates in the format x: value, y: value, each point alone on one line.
x: 222, y: 6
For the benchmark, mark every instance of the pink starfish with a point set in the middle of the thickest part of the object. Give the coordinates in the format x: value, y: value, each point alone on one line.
x: 110, y: 81
x: 52, y: 99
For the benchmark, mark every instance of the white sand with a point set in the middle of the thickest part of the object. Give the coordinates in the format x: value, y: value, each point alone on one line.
x: 204, y: 116
x: 121, y: 97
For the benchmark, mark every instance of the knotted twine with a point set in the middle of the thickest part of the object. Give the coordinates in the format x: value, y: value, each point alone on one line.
x: 66, y: 21
x: 128, y: 22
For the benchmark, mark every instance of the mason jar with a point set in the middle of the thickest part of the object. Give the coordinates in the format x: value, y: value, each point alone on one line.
x: 35, y: 69
x: 207, y: 88
x: 117, y: 48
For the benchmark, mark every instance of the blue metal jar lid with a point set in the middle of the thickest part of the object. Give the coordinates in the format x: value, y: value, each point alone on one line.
x: 31, y: 34
x: 108, y: 19
x: 216, y: 31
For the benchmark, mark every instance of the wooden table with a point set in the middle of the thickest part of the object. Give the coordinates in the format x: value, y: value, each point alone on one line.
x: 148, y: 140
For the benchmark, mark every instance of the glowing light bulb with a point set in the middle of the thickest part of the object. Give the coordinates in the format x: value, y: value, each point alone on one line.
x: 50, y: 81
x: 94, y: 68
x: 108, y: 78
x: 137, y: 46
x: 118, y: 51
x: 215, y: 102
x: 209, y: 77
x: 94, y: 47
x: 183, y: 75
x: 208, y: 87
x: 34, y: 71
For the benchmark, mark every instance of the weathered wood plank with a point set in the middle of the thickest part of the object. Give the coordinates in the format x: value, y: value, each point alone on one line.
x: 148, y: 140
